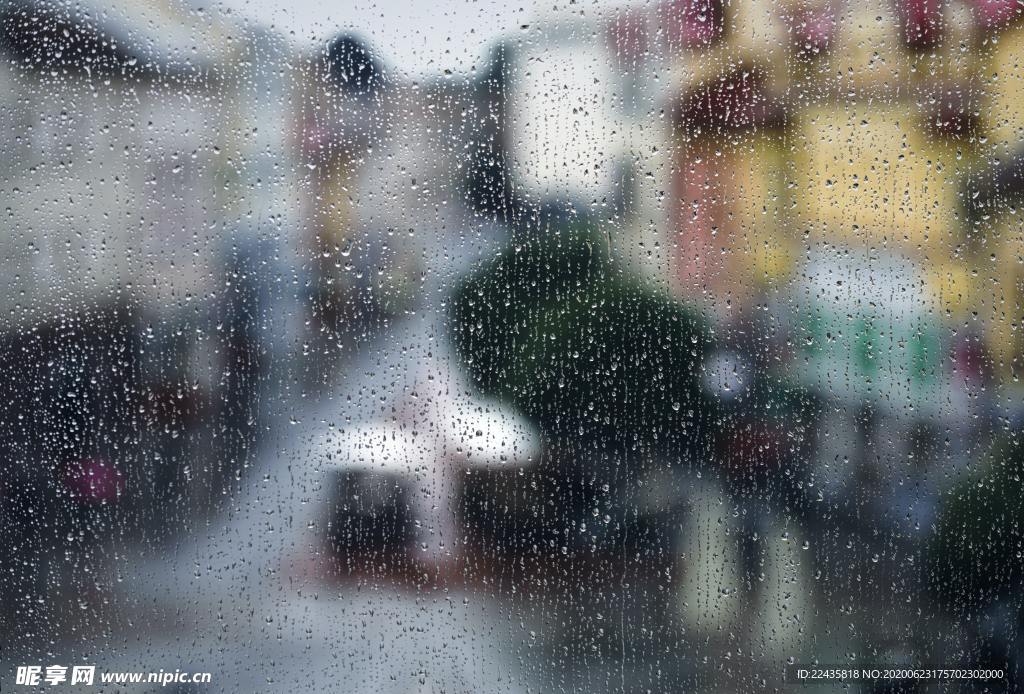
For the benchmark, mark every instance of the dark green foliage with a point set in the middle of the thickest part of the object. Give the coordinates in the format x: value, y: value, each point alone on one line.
x: 554, y: 328
x: 977, y: 554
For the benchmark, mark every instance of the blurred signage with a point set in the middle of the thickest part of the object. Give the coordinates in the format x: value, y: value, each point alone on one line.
x: 866, y: 331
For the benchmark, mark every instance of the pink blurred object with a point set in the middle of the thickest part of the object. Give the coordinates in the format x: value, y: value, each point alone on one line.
x: 921, y: 21
x: 315, y: 140
x: 813, y: 28
x: 993, y: 14
x: 628, y: 36
x: 692, y: 23
x: 94, y: 480
x: 971, y: 360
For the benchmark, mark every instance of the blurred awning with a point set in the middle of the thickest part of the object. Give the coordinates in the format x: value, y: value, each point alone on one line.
x: 735, y: 101
x: 475, y: 433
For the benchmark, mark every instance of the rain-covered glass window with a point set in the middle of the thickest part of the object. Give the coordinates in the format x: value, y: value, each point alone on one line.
x: 632, y: 346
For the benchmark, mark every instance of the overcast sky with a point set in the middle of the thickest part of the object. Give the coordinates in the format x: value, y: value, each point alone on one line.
x: 418, y: 37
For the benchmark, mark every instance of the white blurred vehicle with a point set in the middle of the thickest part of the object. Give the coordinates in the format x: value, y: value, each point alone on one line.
x: 397, y: 483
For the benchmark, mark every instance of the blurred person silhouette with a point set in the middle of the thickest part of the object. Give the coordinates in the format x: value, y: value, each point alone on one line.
x: 345, y: 119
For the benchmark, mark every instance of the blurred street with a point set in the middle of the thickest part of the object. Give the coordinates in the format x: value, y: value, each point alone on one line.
x: 617, y: 347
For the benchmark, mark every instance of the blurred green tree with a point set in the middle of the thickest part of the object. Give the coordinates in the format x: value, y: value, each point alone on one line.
x: 977, y: 553
x: 590, y: 353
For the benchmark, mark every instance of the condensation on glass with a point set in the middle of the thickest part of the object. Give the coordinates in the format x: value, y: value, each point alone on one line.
x: 586, y: 347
